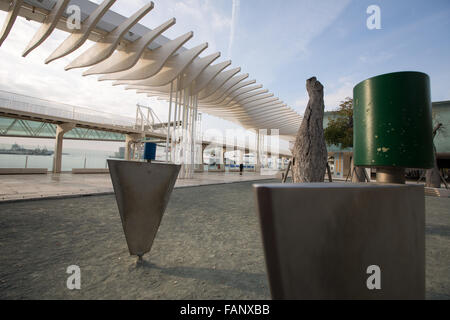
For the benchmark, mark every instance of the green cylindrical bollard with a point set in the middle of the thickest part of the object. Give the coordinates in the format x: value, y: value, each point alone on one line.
x: 392, y: 121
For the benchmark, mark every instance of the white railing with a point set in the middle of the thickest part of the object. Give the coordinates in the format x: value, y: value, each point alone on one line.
x: 29, y: 104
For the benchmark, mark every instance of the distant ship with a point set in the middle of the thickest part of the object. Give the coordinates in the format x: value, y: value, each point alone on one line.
x: 120, y: 154
x: 16, y: 149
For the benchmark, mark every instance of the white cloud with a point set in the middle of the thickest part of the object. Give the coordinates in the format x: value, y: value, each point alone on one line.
x: 281, y: 33
x: 376, y: 57
x: 201, y: 16
x: 31, y: 76
x: 334, y: 98
x: 234, y: 23
x: 301, y: 103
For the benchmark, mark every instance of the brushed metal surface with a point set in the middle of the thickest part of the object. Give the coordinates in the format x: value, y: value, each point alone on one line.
x: 391, y: 175
x: 320, y: 239
x: 142, y: 192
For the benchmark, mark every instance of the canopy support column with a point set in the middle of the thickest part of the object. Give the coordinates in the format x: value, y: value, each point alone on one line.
x: 168, y: 125
x: 61, y: 129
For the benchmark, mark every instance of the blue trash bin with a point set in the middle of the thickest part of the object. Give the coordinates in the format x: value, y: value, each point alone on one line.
x: 150, y: 151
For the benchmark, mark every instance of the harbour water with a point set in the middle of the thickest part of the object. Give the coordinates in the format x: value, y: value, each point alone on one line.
x: 92, y: 156
x: 97, y: 159
x: 72, y: 158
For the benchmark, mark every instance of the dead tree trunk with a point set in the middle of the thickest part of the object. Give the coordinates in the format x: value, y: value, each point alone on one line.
x: 310, y: 151
x: 433, y: 176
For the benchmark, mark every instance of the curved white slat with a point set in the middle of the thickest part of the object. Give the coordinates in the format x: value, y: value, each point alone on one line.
x: 273, y: 119
x: 238, y: 109
x: 208, y: 75
x: 267, y: 100
x: 10, y: 19
x: 279, y: 117
x: 266, y: 106
x: 238, y: 102
x: 189, y: 75
x: 174, y: 67
x: 242, y: 100
x: 288, y: 129
x: 151, y: 62
x: 218, y: 82
x: 275, y: 122
x: 256, y: 97
x: 242, y: 114
x: 129, y: 56
x: 265, y: 114
x: 105, y: 47
x: 195, y: 69
x: 230, y: 99
x: 261, y: 108
x: 286, y: 125
x: 226, y: 88
x: 47, y: 26
x: 78, y: 37
x: 233, y: 90
x: 155, y: 93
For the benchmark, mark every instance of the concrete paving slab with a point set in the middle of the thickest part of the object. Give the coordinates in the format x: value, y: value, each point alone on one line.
x: 28, y: 187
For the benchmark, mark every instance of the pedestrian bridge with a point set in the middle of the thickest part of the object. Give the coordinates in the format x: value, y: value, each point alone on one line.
x: 25, y: 116
x: 29, y: 117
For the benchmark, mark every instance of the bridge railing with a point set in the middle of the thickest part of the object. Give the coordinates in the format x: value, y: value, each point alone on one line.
x: 29, y: 104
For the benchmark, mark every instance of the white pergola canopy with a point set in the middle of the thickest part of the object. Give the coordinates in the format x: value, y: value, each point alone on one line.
x: 130, y: 54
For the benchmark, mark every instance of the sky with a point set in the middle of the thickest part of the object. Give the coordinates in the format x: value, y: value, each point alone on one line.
x: 280, y: 43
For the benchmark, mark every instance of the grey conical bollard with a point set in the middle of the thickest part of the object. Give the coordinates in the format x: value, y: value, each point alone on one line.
x: 142, y: 192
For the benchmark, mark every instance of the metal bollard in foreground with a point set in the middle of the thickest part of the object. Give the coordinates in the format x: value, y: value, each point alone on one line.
x: 320, y: 240
x: 142, y: 192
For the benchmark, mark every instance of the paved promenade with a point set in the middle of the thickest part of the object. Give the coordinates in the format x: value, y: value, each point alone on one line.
x: 208, y: 247
x: 26, y: 187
